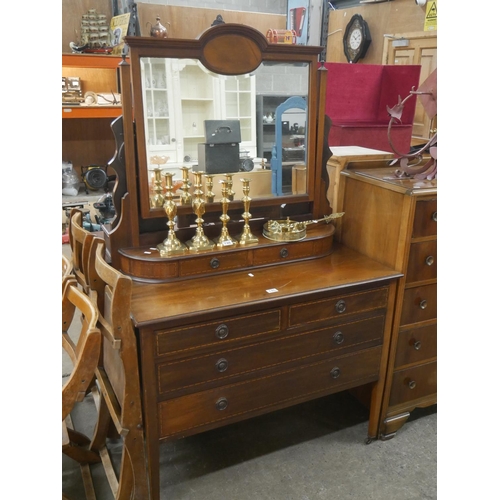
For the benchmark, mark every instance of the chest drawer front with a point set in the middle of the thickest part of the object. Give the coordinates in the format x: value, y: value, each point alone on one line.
x: 425, y: 221
x: 217, y: 333
x: 189, y: 374
x: 422, y: 262
x: 292, y: 251
x: 413, y: 383
x: 204, y: 264
x: 189, y: 414
x: 419, y: 304
x: 416, y: 345
x: 322, y: 310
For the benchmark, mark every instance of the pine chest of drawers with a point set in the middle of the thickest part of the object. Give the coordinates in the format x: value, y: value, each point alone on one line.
x: 219, y: 349
x: 395, y: 222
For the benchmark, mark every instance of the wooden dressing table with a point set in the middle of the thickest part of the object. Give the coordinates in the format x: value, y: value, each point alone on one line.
x: 229, y: 334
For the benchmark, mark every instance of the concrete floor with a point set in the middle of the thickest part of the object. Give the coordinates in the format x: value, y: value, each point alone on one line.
x: 312, y: 451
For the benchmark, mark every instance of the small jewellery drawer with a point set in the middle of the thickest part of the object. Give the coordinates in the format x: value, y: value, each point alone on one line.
x: 188, y: 414
x: 422, y: 263
x: 425, y: 221
x: 276, y: 253
x: 189, y: 374
x: 321, y: 310
x: 217, y: 332
x: 413, y: 383
x: 206, y: 263
x: 419, y: 304
x: 416, y: 345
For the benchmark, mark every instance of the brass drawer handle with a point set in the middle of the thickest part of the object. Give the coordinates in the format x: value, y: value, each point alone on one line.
x: 435, y: 216
x: 221, y: 365
x: 284, y: 253
x: 215, y: 263
x: 338, y: 338
x: 222, y: 331
x: 429, y: 260
x: 412, y: 384
x: 417, y: 345
x: 221, y: 404
x: 423, y: 304
x: 340, y: 306
x: 335, y: 372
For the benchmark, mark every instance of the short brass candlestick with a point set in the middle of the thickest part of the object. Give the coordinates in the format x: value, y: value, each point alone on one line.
x: 209, y: 195
x: 171, y: 245
x: 246, y: 237
x: 199, y: 241
x: 225, y: 240
x: 230, y: 192
x: 156, y: 201
x: 185, y: 198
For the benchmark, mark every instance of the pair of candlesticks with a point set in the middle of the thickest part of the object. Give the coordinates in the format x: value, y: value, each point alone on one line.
x: 200, y: 242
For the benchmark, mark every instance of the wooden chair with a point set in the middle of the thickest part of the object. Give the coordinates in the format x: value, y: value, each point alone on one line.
x: 117, y: 374
x: 84, y: 355
x: 67, y: 270
x: 80, y: 240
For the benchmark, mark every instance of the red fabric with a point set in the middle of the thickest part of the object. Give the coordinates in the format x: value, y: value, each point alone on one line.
x: 357, y: 97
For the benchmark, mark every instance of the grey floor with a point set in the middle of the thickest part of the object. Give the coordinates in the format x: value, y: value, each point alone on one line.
x: 313, y: 451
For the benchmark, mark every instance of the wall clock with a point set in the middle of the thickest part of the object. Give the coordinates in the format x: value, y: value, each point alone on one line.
x: 357, y: 39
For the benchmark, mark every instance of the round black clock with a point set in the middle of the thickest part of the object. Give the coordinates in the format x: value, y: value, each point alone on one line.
x: 357, y: 39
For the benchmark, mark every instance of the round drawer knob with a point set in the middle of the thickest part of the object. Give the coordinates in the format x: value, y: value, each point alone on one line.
x: 412, y: 384
x: 214, y: 263
x: 423, y: 304
x: 222, y: 331
x: 335, y: 372
x: 221, y: 404
x: 435, y: 216
x: 429, y: 260
x: 284, y: 253
x: 221, y: 365
x: 340, y: 306
x: 417, y: 345
x: 338, y: 338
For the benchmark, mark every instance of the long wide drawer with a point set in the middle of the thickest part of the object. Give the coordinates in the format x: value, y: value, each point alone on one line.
x: 413, y: 383
x: 216, y: 368
x: 208, y: 409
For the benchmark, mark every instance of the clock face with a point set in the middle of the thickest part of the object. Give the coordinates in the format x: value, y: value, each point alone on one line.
x: 356, y: 38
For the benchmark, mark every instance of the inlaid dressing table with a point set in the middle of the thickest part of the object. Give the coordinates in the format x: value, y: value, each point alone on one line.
x: 238, y: 330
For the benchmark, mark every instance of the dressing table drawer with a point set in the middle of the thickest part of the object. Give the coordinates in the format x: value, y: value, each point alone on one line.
x: 425, y: 220
x: 413, y: 383
x: 422, y: 262
x: 416, y: 345
x: 419, y: 304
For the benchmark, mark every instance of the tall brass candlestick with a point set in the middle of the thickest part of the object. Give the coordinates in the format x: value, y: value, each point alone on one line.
x: 246, y: 237
x: 230, y: 192
x: 199, y: 241
x: 209, y: 195
x: 185, y: 198
x: 171, y: 245
x: 225, y: 240
x: 156, y: 201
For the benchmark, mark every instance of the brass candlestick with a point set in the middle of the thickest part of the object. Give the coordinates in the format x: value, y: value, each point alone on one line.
x: 199, y: 241
x: 225, y: 240
x: 156, y: 201
x: 230, y: 192
x: 209, y: 195
x: 246, y: 237
x: 171, y: 245
x: 185, y: 198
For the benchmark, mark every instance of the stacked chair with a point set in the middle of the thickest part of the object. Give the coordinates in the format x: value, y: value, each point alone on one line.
x: 114, y: 380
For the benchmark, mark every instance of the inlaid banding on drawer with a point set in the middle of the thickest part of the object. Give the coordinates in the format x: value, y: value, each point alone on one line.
x: 321, y: 310
x: 207, y: 263
x: 189, y: 374
x: 217, y: 332
x: 282, y: 389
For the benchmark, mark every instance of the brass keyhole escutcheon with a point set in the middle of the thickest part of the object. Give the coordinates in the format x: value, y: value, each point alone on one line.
x: 338, y: 337
x: 340, y: 306
x: 221, y: 365
x: 335, y: 372
x: 284, y: 253
x: 222, y: 331
x: 221, y: 404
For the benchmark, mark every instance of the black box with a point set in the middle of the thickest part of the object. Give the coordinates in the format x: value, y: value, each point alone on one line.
x: 219, y: 158
x: 222, y: 131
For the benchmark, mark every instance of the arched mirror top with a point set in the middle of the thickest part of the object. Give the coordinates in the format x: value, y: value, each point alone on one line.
x: 231, y: 79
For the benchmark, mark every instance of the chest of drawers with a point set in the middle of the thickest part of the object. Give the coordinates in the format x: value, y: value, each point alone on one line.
x: 395, y: 221
x: 223, y: 348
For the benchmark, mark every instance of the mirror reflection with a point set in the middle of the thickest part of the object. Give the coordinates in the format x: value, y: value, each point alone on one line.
x: 226, y: 124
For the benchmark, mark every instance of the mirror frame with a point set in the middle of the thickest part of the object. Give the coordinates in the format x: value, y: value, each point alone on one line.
x: 226, y: 49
